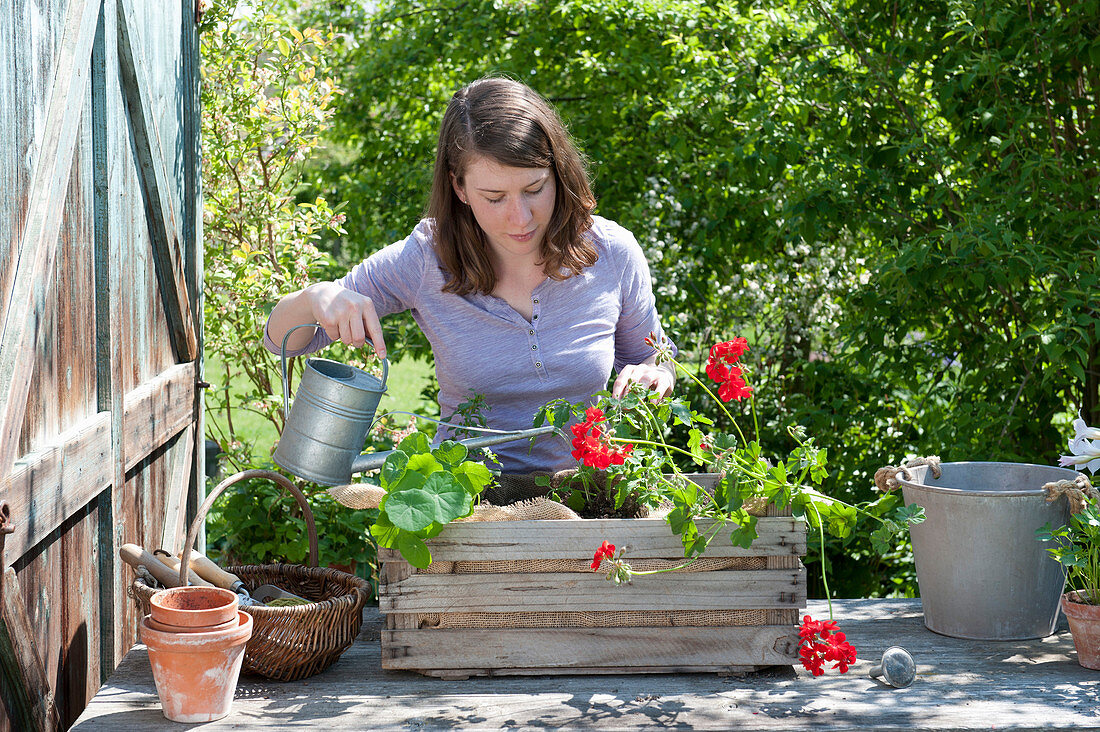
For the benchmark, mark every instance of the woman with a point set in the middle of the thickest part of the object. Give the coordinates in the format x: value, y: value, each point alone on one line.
x: 523, y: 294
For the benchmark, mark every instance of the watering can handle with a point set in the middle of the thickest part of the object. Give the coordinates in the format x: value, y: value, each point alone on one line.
x: 286, y: 386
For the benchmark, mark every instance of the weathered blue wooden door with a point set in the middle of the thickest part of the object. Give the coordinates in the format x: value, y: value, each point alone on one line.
x: 100, y: 347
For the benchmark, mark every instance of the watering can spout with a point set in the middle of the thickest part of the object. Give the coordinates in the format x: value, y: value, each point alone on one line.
x: 374, y: 460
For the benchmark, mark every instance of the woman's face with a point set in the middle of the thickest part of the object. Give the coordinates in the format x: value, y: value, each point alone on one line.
x: 513, y: 206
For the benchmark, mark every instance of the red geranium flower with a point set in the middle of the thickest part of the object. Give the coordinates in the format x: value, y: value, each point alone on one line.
x: 722, y: 368
x: 589, y: 448
x: 822, y: 641
x: 605, y: 551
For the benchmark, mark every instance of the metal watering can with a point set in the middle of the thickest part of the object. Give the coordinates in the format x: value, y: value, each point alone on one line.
x: 333, y: 411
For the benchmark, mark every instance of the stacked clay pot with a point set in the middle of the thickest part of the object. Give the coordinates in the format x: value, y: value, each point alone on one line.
x: 196, y: 638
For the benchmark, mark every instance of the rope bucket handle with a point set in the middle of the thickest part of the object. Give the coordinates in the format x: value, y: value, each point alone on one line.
x: 281, y: 480
x: 1077, y: 492
x: 886, y: 478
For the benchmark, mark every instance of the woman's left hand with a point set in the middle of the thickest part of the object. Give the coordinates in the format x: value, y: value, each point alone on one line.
x: 654, y: 378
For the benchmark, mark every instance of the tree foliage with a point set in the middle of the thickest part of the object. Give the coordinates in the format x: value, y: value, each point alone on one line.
x: 895, y: 202
x: 268, y: 93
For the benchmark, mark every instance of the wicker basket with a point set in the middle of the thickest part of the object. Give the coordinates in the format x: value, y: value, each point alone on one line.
x: 294, y: 642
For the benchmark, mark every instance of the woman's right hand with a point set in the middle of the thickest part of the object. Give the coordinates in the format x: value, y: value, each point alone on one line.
x: 344, y: 314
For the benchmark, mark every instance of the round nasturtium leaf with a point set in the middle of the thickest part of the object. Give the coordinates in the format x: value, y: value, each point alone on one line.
x: 450, y: 452
x: 414, y: 550
x: 414, y: 444
x: 394, y: 468
x: 473, y: 476
x: 424, y: 463
x: 440, y: 499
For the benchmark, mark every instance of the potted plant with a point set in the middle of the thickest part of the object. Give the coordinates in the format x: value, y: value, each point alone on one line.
x: 723, y: 578
x: 1076, y: 546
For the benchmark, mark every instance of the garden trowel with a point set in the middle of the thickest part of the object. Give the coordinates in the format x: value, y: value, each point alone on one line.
x: 262, y: 595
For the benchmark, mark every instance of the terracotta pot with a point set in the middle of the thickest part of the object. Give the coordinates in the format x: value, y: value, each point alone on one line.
x: 168, y: 628
x: 196, y: 673
x: 1084, y: 626
x: 193, y: 607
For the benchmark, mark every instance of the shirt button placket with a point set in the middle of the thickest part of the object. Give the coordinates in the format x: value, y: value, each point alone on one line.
x: 533, y: 337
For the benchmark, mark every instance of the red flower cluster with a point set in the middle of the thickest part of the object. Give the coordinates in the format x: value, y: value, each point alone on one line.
x: 590, y: 448
x: 722, y: 367
x: 822, y: 641
x: 605, y: 551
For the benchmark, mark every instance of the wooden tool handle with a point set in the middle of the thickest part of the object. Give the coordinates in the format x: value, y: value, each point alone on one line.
x: 134, y: 555
x: 212, y: 572
x: 174, y: 564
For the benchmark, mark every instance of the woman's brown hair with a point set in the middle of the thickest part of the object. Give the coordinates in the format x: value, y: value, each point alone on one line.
x: 509, y: 123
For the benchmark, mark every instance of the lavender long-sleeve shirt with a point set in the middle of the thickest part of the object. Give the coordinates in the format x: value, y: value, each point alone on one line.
x: 582, y: 328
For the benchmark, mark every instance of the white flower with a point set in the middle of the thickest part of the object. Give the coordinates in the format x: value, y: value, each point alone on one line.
x: 1084, y: 448
x: 1080, y: 429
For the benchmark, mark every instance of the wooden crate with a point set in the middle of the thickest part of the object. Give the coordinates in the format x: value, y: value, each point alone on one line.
x: 729, y: 620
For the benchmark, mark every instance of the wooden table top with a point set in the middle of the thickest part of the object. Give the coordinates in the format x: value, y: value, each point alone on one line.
x: 960, y: 684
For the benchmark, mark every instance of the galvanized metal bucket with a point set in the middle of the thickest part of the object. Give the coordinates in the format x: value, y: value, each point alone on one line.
x: 982, y: 573
x: 327, y: 426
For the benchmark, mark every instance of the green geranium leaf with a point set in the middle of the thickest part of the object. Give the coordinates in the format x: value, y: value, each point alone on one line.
x: 726, y: 494
x: 696, y: 546
x: 913, y: 514
x: 681, y: 413
x: 678, y: 519
x: 745, y: 533
x: 689, y: 536
x: 724, y: 441
x: 414, y: 550
x: 702, y: 419
x: 881, y: 540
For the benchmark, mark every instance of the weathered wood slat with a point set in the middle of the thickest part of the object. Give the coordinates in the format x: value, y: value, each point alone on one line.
x: 672, y: 649
x: 157, y: 410
x: 38, y: 243
x: 786, y: 616
x: 463, y: 674
x: 165, y: 232
x: 179, y: 479
x: 642, y: 538
x: 108, y: 137
x: 28, y: 695
x: 80, y: 600
x: 571, y: 592
x: 50, y: 485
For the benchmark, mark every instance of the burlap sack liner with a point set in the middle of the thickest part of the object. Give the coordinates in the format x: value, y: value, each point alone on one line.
x: 364, y: 496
